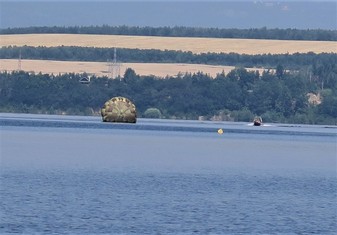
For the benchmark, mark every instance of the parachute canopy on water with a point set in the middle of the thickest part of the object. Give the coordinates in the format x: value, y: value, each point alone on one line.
x: 119, y: 109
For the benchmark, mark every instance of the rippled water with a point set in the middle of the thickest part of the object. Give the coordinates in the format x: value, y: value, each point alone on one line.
x: 77, y: 175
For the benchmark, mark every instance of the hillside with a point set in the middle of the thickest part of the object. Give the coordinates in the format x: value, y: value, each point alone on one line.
x: 214, y: 47
x: 101, y: 69
x: 195, y: 45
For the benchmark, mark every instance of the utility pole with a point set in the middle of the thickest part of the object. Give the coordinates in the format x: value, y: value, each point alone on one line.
x: 19, y: 61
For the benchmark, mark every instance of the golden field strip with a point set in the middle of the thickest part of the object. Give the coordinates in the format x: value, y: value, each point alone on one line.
x: 194, y: 45
x: 101, y: 68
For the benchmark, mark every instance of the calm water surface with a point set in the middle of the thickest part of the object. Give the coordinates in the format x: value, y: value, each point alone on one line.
x: 77, y: 175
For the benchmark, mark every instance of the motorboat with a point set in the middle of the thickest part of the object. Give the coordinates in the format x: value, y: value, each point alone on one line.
x: 257, y: 121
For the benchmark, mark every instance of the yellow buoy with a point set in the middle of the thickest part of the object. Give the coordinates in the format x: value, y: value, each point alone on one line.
x: 220, y: 131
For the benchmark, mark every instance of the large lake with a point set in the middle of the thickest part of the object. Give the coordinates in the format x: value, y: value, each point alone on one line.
x: 78, y: 175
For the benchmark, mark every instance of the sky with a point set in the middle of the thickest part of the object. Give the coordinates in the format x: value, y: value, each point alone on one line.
x: 156, y: 13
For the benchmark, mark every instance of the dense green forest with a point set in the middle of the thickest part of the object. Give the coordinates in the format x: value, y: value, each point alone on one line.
x: 180, y: 31
x: 289, y: 61
x: 237, y: 96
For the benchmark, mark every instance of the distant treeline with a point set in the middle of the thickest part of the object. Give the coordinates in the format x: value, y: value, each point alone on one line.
x: 64, y: 53
x: 180, y: 31
x: 237, y: 96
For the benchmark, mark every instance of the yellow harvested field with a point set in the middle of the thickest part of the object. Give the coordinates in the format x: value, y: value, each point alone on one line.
x: 195, y: 45
x: 101, y: 69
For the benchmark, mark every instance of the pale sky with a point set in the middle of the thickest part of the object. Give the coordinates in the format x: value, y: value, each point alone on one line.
x: 218, y: 14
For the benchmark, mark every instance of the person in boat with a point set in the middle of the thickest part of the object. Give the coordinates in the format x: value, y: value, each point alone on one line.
x: 257, y: 121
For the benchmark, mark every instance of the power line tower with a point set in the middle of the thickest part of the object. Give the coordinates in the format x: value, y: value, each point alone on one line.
x: 114, y: 66
x: 19, y: 61
x: 109, y: 64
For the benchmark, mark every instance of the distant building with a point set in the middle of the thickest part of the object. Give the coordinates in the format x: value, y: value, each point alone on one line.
x: 84, y: 80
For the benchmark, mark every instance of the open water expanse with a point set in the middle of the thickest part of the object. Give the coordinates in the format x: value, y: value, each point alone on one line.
x: 78, y: 175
